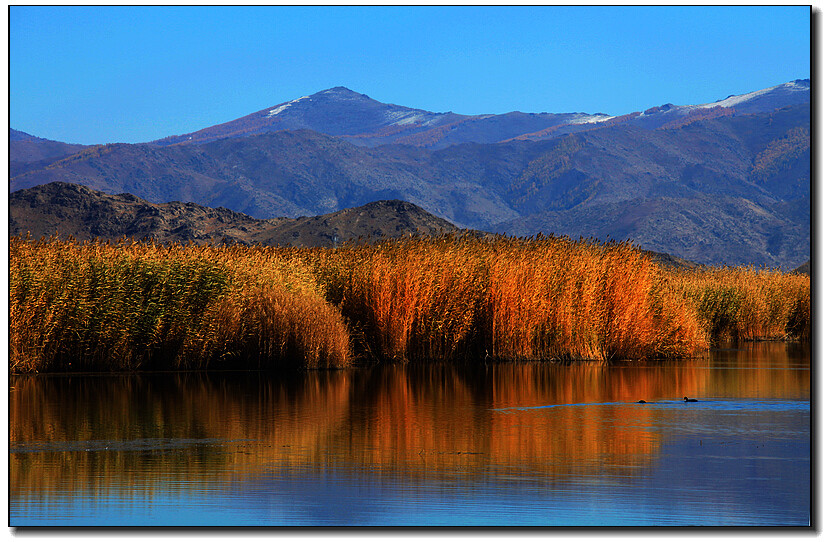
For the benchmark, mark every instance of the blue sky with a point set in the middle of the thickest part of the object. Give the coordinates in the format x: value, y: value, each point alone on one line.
x: 102, y: 74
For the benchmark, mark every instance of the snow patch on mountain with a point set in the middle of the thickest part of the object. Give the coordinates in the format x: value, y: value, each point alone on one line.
x: 590, y: 119
x: 732, y: 101
x: 411, y: 119
x: 735, y: 100
x: 279, y: 109
x: 400, y: 118
x: 412, y: 116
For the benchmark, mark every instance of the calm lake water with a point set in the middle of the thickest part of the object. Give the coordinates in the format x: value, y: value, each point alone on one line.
x: 506, y: 444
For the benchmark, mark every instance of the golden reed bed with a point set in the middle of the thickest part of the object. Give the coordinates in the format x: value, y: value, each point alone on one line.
x: 128, y: 305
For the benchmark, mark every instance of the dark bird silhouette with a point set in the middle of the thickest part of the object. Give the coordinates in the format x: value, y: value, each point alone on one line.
x: 642, y: 401
x: 685, y: 400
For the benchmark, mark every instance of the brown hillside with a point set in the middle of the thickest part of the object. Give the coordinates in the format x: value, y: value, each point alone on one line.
x: 65, y: 209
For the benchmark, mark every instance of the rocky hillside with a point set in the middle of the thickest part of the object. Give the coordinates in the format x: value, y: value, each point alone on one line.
x: 65, y: 209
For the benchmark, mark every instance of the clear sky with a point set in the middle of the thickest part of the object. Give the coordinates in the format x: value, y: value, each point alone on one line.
x: 101, y: 74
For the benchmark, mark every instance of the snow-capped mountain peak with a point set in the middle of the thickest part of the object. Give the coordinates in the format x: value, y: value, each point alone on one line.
x: 362, y: 120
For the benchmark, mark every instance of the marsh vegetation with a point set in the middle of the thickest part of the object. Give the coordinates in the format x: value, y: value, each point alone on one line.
x: 143, y: 306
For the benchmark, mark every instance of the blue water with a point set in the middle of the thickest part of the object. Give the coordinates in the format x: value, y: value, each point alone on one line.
x: 734, y: 470
x: 411, y: 447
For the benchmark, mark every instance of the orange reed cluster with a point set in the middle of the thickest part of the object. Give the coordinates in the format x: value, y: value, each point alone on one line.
x: 465, y: 297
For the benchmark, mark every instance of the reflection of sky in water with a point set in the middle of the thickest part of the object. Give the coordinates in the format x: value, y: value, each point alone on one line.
x: 721, y: 484
x: 664, y: 497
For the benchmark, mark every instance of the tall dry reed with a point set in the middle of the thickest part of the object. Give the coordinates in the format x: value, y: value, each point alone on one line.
x: 89, y: 306
x: 556, y: 298
x: 93, y: 306
x: 463, y: 297
x: 746, y: 303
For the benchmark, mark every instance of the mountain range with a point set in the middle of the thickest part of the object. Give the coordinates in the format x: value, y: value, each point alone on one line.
x: 723, y: 182
x: 363, y: 121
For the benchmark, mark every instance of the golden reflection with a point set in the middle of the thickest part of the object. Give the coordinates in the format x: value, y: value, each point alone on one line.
x: 770, y: 370
x: 105, y: 435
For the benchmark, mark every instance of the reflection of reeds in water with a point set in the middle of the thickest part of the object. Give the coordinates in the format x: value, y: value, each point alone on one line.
x: 96, y: 306
x: 747, y: 368
x: 435, y: 421
x: 420, y: 421
x: 229, y: 423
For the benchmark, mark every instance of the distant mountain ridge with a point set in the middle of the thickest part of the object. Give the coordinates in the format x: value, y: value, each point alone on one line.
x: 361, y: 120
x: 725, y: 182
x: 27, y: 152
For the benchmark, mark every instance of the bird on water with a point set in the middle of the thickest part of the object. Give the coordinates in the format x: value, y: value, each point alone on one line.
x: 642, y: 402
x: 686, y: 400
